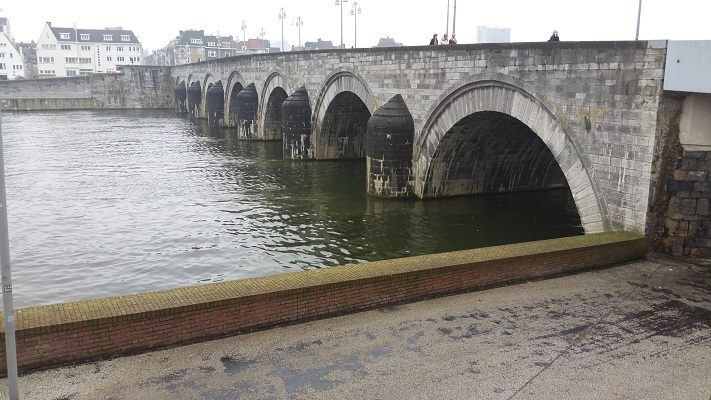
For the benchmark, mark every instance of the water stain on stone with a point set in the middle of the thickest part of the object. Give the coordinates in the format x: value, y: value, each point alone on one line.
x: 414, y: 338
x: 382, y: 351
x: 171, y: 377
x: 235, y: 365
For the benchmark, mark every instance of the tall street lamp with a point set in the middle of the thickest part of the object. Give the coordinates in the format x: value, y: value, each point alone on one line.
x: 261, y: 34
x: 341, y: 4
x: 299, y: 23
x: 244, y: 34
x: 282, y: 16
x: 355, y: 10
x: 639, y: 16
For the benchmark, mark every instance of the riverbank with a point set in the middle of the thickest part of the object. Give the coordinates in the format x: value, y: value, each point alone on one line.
x: 96, y: 329
x: 636, y: 331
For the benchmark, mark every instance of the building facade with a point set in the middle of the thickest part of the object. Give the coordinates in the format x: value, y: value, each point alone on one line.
x: 12, y: 65
x: 73, y: 52
x: 485, y: 34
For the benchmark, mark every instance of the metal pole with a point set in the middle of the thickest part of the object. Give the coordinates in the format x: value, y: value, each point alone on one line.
x: 355, y: 24
x: 10, y: 346
x: 454, y: 18
x: 639, y: 16
x: 447, y: 31
x: 342, y: 1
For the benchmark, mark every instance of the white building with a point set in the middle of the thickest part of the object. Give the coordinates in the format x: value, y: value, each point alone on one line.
x: 492, y: 35
x: 11, y: 62
x: 72, y: 51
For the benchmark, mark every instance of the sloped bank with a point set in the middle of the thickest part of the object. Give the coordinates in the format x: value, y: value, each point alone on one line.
x: 81, y: 331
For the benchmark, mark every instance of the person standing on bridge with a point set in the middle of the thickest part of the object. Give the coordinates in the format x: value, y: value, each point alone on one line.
x: 444, y: 39
x: 434, y: 40
x: 554, y: 37
x: 453, y: 40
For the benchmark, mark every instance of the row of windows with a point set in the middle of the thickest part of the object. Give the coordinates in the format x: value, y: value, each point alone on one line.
x: 77, y: 60
x: 15, y: 67
x: 83, y: 60
x: 83, y: 36
x: 2, y: 55
x: 84, y: 47
x: 47, y: 72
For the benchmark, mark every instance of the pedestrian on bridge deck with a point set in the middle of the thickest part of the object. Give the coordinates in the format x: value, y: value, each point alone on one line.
x: 434, y: 40
x: 554, y: 37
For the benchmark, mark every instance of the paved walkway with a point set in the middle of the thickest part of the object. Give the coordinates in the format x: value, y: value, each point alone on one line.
x: 638, y: 331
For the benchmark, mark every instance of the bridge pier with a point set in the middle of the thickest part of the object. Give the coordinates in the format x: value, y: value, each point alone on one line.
x: 181, y: 94
x: 215, y: 104
x: 389, y: 146
x: 247, y: 105
x: 296, y: 125
x: 194, y: 99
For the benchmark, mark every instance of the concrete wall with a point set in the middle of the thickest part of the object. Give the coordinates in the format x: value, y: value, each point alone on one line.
x: 81, y: 331
x: 137, y: 87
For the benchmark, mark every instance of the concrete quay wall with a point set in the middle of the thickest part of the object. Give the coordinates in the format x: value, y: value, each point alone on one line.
x: 136, y: 88
x: 103, y: 328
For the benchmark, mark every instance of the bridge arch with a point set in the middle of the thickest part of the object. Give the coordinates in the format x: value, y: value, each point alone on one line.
x: 276, y: 89
x: 340, y: 116
x: 509, y: 101
x: 206, y: 81
x: 235, y: 84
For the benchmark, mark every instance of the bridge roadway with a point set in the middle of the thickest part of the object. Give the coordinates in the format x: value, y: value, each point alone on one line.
x: 452, y: 120
x: 637, y: 331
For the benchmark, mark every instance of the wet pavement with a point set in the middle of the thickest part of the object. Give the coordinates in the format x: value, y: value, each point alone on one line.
x: 638, y: 331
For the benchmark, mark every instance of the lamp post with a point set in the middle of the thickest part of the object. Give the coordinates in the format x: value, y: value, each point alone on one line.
x: 282, y: 16
x: 639, y: 15
x: 299, y: 23
x: 244, y: 35
x: 261, y: 34
x: 341, y: 4
x: 355, y: 10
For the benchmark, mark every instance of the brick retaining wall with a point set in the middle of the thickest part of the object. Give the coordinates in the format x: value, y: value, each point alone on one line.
x: 81, y: 331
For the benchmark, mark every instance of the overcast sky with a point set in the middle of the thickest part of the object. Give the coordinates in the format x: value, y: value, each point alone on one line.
x: 409, y: 22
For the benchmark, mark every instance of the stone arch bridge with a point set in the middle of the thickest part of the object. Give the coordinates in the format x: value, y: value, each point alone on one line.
x: 454, y: 120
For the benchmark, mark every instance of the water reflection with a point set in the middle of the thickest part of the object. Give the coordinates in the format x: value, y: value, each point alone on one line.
x: 134, y: 201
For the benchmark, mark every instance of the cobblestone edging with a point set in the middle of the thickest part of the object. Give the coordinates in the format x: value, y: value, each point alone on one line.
x: 82, y: 331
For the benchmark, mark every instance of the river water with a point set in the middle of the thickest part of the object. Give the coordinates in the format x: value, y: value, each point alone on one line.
x: 104, y: 203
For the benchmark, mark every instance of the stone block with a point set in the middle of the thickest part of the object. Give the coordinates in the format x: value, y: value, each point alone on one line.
x: 689, y: 164
x: 681, y: 208
x: 702, y: 206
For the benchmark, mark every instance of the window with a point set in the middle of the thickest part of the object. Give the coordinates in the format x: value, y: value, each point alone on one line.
x: 108, y: 58
x: 212, y: 53
x: 66, y: 47
x: 196, y: 41
x: 49, y: 47
x: 108, y: 38
x: 85, y: 71
x: 46, y: 60
x: 46, y: 72
x: 2, y: 55
x: 199, y: 51
x: 108, y: 48
x: 64, y: 36
x: 225, y: 44
x: 84, y: 36
x: 211, y: 44
x: 71, y: 72
x: 125, y: 38
x: 71, y: 60
x: 2, y: 65
x: 86, y: 48
x: 17, y: 67
x: 119, y: 59
x: 84, y: 60
x: 119, y: 48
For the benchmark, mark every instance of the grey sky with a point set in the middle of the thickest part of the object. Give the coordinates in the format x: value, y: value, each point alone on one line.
x: 409, y: 22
